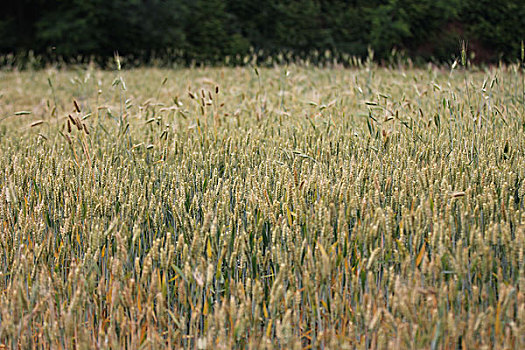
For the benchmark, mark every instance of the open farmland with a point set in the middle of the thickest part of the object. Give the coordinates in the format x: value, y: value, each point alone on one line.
x: 294, y: 207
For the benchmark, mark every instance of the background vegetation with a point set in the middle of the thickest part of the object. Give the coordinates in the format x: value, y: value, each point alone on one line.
x: 217, y: 31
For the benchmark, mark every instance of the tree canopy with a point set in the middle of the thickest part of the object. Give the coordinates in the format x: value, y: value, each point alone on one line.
x: 210, y: 30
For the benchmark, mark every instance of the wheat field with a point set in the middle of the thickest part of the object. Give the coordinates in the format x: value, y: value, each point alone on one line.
x: 293, y: 207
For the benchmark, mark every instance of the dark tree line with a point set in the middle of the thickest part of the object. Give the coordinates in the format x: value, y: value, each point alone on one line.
x: 211, y: 30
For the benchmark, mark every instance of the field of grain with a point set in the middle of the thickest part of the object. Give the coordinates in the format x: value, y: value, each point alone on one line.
x: 291, y: 207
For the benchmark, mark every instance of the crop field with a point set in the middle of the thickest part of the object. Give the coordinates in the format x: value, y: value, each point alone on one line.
x: 291, y: 207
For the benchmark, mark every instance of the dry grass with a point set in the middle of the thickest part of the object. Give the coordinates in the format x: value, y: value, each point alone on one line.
x: 292, y: 207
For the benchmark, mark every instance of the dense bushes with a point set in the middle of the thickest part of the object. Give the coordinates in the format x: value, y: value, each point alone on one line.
x: 210, y: 30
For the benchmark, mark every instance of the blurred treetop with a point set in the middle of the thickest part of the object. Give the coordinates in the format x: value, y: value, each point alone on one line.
x: 211, y: 30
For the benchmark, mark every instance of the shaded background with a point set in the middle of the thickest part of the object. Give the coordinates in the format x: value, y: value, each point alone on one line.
x: 225, y: 31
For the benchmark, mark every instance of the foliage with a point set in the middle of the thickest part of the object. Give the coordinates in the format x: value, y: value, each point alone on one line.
x: 214, y: 31
x: 495, y: 27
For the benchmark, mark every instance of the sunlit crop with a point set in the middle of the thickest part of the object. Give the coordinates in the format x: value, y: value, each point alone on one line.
x: 291, y: 207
